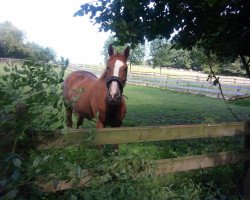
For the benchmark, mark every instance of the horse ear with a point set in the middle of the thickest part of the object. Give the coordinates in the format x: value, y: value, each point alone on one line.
x: 110, y: 50
x: 126, y: 52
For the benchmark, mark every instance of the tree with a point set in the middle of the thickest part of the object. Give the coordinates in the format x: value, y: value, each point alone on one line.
x: 137, y: 52
x: 39, y: 53
x: 12, y: 45
x: 11, y: 41
x: 220, y: 27
x: 165, y: 56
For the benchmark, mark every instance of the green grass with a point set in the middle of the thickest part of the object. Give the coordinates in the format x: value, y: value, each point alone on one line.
x: 150, y: 106
x: 153, y: 107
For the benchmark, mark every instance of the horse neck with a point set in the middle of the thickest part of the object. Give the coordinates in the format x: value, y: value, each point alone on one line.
x: 101, y: 82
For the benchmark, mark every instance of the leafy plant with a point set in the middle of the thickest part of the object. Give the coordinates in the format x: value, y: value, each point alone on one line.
x: 31, y: 102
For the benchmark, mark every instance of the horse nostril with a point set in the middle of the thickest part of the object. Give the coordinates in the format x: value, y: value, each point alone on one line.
x: 117, y: 95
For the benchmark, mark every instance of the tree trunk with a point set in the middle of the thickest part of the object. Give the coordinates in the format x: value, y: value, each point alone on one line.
x: 246, y: 65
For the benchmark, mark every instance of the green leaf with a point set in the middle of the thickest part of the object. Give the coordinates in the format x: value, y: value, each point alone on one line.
x: 17, y: 162
x: 65, y: 131
x: 73, y: 197
x: 10, y: 195
x: 15, y: 175
x: 5, y: 77
x: 6, y: 69
x: 37, y: 160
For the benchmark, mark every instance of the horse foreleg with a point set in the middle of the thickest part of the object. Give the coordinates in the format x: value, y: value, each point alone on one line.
x: 69, y: 111
x: 79, y: 121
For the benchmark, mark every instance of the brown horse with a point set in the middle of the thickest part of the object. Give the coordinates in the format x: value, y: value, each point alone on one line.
x: 101, y: 98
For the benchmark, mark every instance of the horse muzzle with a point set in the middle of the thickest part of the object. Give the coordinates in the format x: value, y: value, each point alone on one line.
x: 114, y: 99
x: 115, y: 88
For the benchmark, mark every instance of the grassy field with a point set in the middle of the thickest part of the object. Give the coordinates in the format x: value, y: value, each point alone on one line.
x: 150, y: 107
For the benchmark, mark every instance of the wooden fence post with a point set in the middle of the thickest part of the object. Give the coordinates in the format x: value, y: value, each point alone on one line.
x: 246, y: 171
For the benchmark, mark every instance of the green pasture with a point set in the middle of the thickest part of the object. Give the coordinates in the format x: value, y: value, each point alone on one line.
x: 153, y: 107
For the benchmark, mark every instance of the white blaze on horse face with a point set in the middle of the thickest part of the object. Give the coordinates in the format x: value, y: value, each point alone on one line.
x: 118, y: 65
x: 114, y: 84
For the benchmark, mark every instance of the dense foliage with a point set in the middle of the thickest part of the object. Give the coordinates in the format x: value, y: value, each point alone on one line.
x: 164, y: 56
x: 13, y: 45
x: 30, y: 103
x: 218, y: 26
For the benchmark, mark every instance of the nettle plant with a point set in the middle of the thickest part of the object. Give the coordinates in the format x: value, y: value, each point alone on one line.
x: 32, y: 93
x: 31, y: 102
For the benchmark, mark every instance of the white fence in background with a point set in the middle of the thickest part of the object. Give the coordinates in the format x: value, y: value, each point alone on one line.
x: 197, y: 84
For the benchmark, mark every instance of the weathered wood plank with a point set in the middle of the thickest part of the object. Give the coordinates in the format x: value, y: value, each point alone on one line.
x: 64, y: 185
x: 166, y: 166
x: 200, y: 162
x: 143, y: 134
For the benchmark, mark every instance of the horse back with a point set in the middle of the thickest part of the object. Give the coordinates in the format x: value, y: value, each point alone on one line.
x: 76, y: 83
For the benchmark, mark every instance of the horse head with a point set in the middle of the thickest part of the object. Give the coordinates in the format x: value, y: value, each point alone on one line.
x: 116, y: 75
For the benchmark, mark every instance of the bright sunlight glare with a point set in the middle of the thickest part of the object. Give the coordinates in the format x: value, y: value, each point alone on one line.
x: 51, y: 24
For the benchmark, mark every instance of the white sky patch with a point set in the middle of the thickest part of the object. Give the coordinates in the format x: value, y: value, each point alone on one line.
x: 51, y: 24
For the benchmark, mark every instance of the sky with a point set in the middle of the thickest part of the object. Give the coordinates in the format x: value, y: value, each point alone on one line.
x: 50, y: 23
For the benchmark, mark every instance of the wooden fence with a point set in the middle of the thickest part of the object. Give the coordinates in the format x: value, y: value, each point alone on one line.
x: 159, y: 133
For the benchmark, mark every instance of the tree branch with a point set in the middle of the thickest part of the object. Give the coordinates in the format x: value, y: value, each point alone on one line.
x: 215, y: 82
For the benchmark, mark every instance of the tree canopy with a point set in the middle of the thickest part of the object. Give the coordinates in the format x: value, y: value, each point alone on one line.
x: 219, y: 26
x: 164, y: 56
x: 11, y: 41
x: 12, y: 45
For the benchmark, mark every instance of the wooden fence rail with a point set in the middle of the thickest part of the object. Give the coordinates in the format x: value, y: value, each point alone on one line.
x: 142, y: 134
x: 159, y: 133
